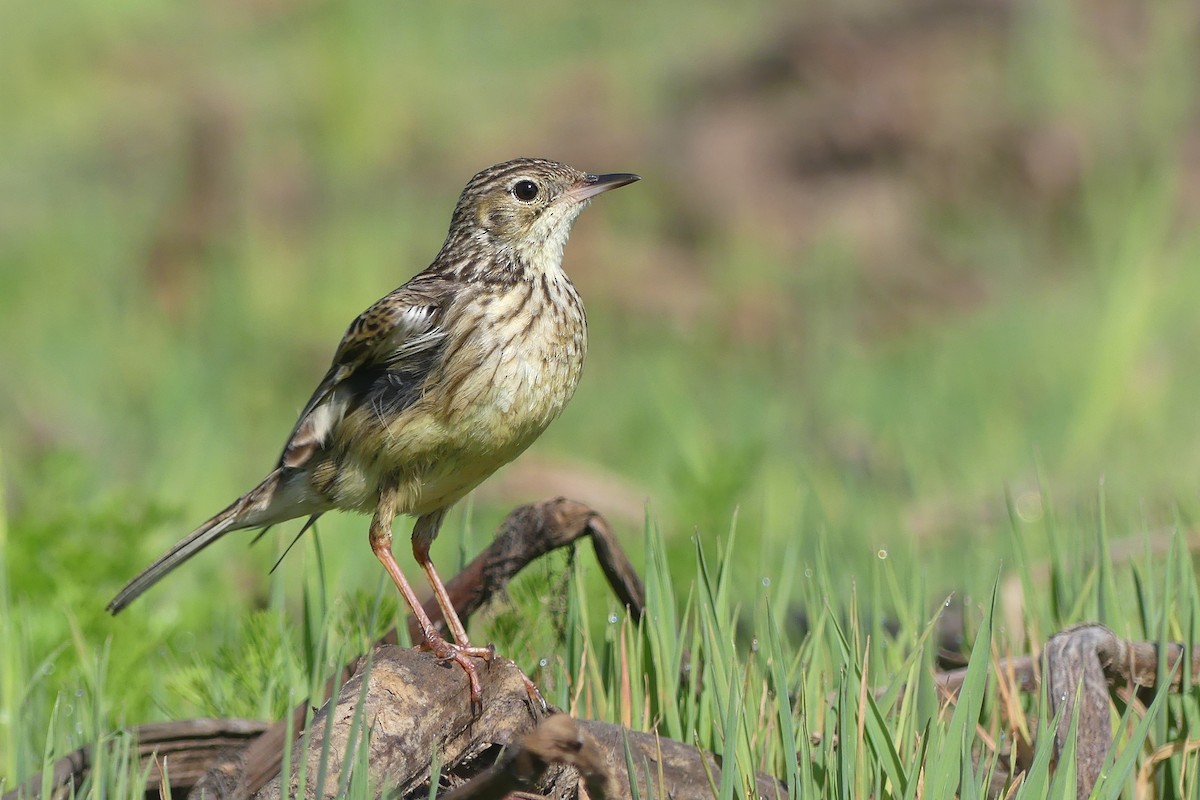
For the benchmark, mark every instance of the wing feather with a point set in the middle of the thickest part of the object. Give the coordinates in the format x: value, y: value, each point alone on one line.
x: 396, y: 329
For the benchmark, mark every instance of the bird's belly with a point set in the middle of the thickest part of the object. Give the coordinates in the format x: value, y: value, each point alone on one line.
x: 514, y: 377
x: 477, y: 417
x: 509, y: 402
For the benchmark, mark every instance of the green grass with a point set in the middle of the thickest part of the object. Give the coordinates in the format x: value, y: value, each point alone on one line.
x: 793, y: 457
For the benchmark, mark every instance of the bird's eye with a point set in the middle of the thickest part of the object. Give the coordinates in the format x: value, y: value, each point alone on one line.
x: 525, y: 190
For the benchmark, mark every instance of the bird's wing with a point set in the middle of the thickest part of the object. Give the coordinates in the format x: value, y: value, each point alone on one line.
x: 398, y: 328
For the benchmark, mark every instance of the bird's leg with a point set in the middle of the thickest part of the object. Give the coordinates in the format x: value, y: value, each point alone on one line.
x: 423, y: 535
x: 381, y: 544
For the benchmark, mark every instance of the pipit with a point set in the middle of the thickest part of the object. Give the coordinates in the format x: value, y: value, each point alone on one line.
x: 436, y: 386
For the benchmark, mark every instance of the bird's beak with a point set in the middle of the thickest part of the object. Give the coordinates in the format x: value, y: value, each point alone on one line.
x: 592, y: 185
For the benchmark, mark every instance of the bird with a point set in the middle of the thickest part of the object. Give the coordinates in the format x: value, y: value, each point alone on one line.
x: 435, y: 386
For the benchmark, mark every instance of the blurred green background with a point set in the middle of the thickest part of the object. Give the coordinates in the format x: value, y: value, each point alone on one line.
x: 896, y: 276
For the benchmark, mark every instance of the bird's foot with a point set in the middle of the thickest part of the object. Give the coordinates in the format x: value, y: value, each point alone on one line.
x: 446, y: 651
x: 462, y: 654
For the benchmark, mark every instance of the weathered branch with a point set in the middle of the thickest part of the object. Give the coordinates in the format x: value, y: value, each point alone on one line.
x: 528, y: 533
x: 407, y: 707
x: 1092, y: 660
x: 413, y: 707
x: 558, y: 740
x: 188, y: 749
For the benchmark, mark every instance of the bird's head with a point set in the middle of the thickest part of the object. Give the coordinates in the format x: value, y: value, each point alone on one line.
x: 525, y: 207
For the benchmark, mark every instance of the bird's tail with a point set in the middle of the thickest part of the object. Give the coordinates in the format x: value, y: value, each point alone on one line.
x: 253, y: 509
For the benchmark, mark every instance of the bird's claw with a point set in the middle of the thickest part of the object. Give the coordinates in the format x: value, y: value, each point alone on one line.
x: 445, y: 652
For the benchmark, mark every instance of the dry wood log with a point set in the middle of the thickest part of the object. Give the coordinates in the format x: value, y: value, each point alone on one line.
x: 684, y: 771
x: 412, y: 707
x: 557, y: 740
x: 188, y: 749
x: 415, y: 707
x: 1093, y: 659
